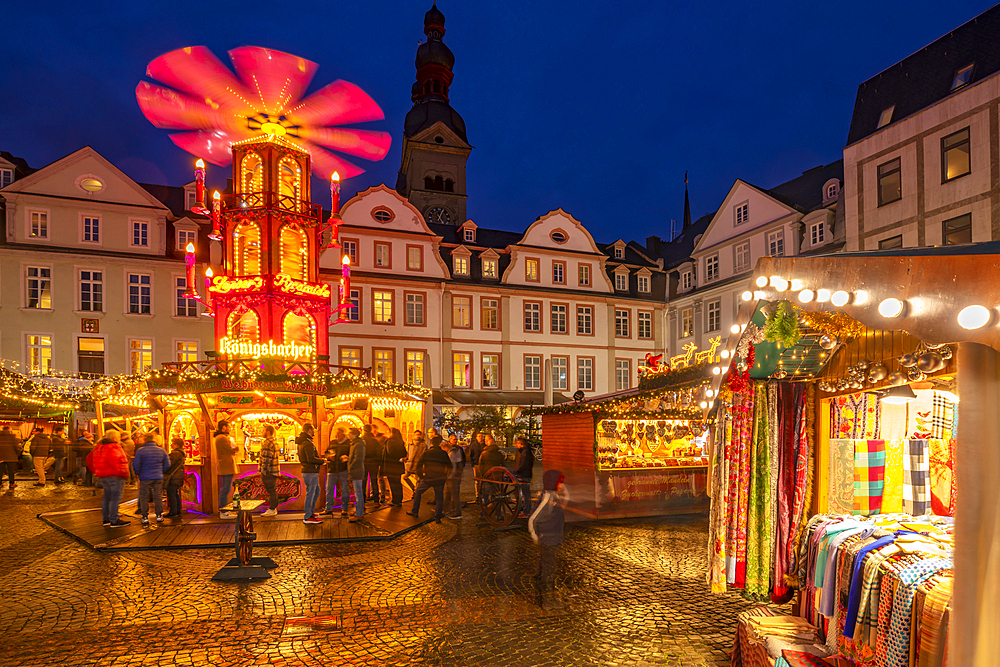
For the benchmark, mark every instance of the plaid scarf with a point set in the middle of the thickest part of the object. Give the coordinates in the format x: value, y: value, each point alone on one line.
x: 916, y: 473
x: 942, y: 416
x: 869, y: 476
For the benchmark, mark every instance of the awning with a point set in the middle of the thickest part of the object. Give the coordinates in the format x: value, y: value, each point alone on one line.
x: 462, y: 398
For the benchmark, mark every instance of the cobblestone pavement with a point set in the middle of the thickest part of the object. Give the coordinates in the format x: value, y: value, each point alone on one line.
x: 450, y: 594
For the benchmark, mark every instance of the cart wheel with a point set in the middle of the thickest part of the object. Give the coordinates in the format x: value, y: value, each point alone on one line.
x: 499, y: 498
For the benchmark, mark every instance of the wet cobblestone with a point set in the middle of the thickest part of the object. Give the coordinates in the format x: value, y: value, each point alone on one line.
x: 450, y: 594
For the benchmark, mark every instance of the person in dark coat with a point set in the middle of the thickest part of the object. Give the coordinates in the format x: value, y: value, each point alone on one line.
x: 432, y: 469
x: 81, y: 448
x: 310, y: 460
x: 373, y: 464
x: 60, y: 452
x: 41, y: 447
x: 356, y: 470
x: 524, y: 462
x: 546, y: 527
x: 10, y: 454
x: 174, y: 478
x: 150, y: 464
x: 476, y: 448
x: 393, y: 465
x: 337, y: 455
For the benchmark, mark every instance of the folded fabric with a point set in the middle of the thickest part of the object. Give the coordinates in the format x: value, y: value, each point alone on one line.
x: 869, y: 476
x: 775, y: 646
x: 916, y: 474
x: 802, y: 659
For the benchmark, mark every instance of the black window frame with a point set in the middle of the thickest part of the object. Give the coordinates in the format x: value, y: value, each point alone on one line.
x: 879, y: 175
x: 882, y: 246
x: 967, y: 226
x: 946, y: 149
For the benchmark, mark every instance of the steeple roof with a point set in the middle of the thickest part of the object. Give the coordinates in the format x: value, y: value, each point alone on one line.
x: 434, y: 63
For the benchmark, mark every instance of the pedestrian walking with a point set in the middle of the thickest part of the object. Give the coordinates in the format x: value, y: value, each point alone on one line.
x: 356, y: 469
x: 337, y: 454
x: 413, y: 454
x: 60, y: 451
x: 81, y: 448
x: 225, y: 454
x: 109, y: 465
x: 269, y: 470
x: 373, y: 464
x: 453, y: 486
x: 393, y: 463
x: 476, y: 448
x: 150, y: 464
x: 524, y: 463
x: 432, y: 469
x: 41, y: 447
x: 383, y: 479
x: 10, y: 454
x: 27, y: 463
x: 311, y: 462
x: 128, y: 446
x: 174, y: 478
x: 546, y: 528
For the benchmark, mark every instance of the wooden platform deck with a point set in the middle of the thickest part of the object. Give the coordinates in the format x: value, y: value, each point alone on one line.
x: 197, y: 531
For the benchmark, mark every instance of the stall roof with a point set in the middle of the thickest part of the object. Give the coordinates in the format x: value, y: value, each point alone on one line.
x: 459, y: 397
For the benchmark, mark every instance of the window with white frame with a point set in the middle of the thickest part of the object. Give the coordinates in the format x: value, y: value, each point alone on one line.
x: 532, y: 372
x: 489, y: 315
x: 461, y: 265
x: 350, y: 357
x: 491, y: 371
x: 531, y: 270
x: 38, y: 287
x: 185, y: 307
x: 382, y: 307
x: 461, y: 312
x: 621, y: 282
x: 185, y: 236
x: 558, y: 318
x: 817, y: 233
x: 621, y: 323
x: 140, y: 233
x: 384, y: 362
x: 350, y: 248
x: 742, y: 212
x: 38, y: 224
x: 186, y: 350
x: 189, y: 199
x: 644, y: 325
x: 713, y: 316
x: 39, y: 353
x: 560, y: 373
x: 583, y: 275
x: 414, y: 368
x: 140, y: 293
x: 415, y: 258
x: 383, y: 255
x: 140, y: 352
x: 741, y: 257
x: 687, y: 280
x: 559, y: 273
x: 90, y: 355
x: 415, y: 309
x: 470, y: 235
x: 619, y: 252
x: 712, y: 268
x: 489, y: 268
x: 585, y: 374
x: 776, y: 243
x: 642, y: 283
x: 354, y: 312
x: 461, y: 364
x: 623, y: 374
x: 6, y: 177
x: 832, y: 190
x: 92, y: 291
x: 91, y: 229
x: 532, y: 317
x: 584, y: 320
x: 687, y: 322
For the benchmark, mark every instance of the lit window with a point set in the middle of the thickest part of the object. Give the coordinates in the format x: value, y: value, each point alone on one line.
x: 140, y: 293
x: 742, y: 212
x: 621, y: 282
x: 294, y: 248
x: 621, y: 324
x: 742, y: 257
x: 584, y: 320
x: 350, y: 357
x: 713, y: 316
x: 244, y: 325
x: 415, y: 368
x: 39, y: 224
x: 354, y: 312
x: 559, y: 273
x: 955, y: 156
x: 414, y: 258
x: 583, y: 273
x: 891, y: 243
x: 643, y: 283
x: 246, y: 252
x: 560, y: 373
x: 776, y: 243
x: 140, y: 233
x: 962, y: 77
x: 91, y: 184
x: 140, y: 355
x: 461, y: 265
x: 532, y: 317
x: 298, y: 329
x: 186, y: 350
x: 384, y: 362
x: 39, y: 287
x: 39, y: 349
x: 532, y: 372
x: 885, y: 117
x: 91, y: 229
x: 185, y: 307
x: 383, y: 255
x: 489, y: 268
x: 585, y: 374
x: 90, y: 356
x: 687, y: 323
x: 92, y: 291
x: 889, y: 182
x: 712, y: 268
x: 461, y: 312
x: 491, y: 371
x: 687, y: 279
x: 252, y: 174
x: 958, y: 230
x: 558, y: 318
x: 461, y: 365
x: 6, y: 177
x: 469, y: 234
x: 185, y: 236
x: 817, y: 233
x: 415, y: 309
x: 490, y: 316
x: 619, y: 252
x: 382, y: 307
x: 645, y: 325
x: 350, y: 248
x: 531, y: 270
x: 623, y: 374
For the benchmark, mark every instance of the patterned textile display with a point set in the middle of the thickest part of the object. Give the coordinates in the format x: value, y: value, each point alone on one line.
x: 855, y: 417
x: 800, y: 659
x: 720, y: 511
x: 916, y: 473
x: 892, y: 421
x: 920, y: 424
x: 747, y: 650
x: 934, y: 624
x: 869, y: 475
x: 898, y: 645
x: 942, y: 417
x: 803, y: 471
x: 942, y: 474
x: 791, y: 492
x: 758, y: 533
x: 738, y: 454
x: 880, y: 638
x: 775, y: 440
x: 841, y: 496
x: 892, y: 488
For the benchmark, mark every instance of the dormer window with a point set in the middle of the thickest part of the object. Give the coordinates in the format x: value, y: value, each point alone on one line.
x: 619, y: 252
x: 189, y: 200
x: 489, y: 268
x: 741, y: 212
x: 687, y: 280
x: 832, y: 190
x: 469, y: 234
x: 962, y: 77
x: 621, y: 282
x: 885, y: 117
x: 461, y: 265
x: 643, y: 283
x: 6, y: 177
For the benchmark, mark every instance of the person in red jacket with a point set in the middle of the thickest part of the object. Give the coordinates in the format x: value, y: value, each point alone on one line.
x: 109, y: 464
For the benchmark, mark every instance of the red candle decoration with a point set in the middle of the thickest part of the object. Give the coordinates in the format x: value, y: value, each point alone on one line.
x: 199, y: 188
x: 216, y: 234
x: 208, y: 292
x: 189, y: 263
x: 335, y: 194
x: 345, y: 282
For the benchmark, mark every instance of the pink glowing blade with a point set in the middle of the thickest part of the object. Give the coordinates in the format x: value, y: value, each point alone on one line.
x: 214, y: 146
x: 172, y: 110
x: 324, y: 163
x: 360, y: 143
x: 340, y: 103
x: 276, y: 79
x: 196, y: 70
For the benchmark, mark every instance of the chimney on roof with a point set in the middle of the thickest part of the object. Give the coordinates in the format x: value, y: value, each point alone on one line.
x: 653, y: 245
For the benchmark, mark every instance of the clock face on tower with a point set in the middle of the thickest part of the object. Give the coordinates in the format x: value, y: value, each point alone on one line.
x: 439, y: 215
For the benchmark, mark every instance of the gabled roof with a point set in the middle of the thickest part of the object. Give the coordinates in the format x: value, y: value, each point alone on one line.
x: 926, y: 77
x: 805, y: 192
x: 679, y: 250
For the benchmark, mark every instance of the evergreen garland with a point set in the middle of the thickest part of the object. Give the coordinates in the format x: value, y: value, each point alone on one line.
x: 783, y: 326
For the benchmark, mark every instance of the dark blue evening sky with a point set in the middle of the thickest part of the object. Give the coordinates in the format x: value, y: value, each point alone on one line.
x: 597, y: 107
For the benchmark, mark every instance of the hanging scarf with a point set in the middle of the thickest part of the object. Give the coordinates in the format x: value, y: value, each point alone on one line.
x: 758, y: 510
x: 739, y: 486
x: 719, y: 514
